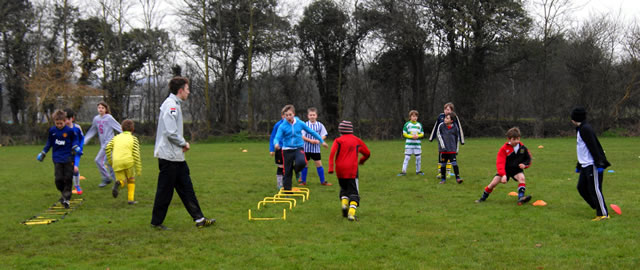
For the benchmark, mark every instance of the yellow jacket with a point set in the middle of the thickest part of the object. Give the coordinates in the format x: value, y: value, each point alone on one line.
x: 123, y: 152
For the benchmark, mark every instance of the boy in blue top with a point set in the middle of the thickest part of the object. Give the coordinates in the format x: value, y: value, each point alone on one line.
x: 65, y: 145
x: 289, y: 139
x: 272, y: 151
x: 70, y: 122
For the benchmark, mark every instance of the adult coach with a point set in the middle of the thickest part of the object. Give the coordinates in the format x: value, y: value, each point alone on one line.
x: 169, y: 149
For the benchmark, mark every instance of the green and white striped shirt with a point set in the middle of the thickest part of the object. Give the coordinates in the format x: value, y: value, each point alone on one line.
x: 410, y: 129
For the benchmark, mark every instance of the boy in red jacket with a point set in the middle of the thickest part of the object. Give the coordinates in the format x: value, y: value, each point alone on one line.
x: 345, y: 149
x: 513, y: 158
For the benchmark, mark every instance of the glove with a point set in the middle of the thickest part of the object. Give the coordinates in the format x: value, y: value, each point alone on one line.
x: 78, y: 150
x: 600, y: 170
x: 41, y: 156
x: 577, y: 170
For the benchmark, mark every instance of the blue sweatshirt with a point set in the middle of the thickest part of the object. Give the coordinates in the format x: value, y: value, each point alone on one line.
x: 273, y: 135
x: 80, y: 135
x: 289, y: 136
x: 63, y: 141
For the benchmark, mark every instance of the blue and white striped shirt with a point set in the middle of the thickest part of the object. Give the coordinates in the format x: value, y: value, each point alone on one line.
x: 318, y: 128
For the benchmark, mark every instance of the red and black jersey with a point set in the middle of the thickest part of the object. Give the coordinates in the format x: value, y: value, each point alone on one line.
x: 508, y: 158
x: 345, y: 149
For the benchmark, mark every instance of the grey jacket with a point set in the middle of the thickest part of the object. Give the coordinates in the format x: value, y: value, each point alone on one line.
x: 104, y: 127
x: 447, y: 138
x: 169, y: 139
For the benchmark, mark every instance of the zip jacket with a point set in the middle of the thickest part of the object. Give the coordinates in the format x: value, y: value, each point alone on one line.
x: 290, y: 134
x: 169, y: 139
x: 508, y: 158
x: 441, y: 120
x: 447, y: 139
x: 588, y: 136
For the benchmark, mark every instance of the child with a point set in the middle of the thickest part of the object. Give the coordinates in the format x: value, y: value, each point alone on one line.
x: 70, y: 122
x: 412, y: 131
x: 104, y: 124
x: 272, y: 151
x: 448, y: 147
x: 65, y: 146
x: 591, y: 164
x: 345, y: 149
x: 448, y: 108
x: 312, y: 147
x: 123, y: 153
x: 513, y: 158
x: 290, y: 136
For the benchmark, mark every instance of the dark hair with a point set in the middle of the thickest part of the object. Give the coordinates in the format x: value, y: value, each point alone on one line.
x: 128, y: 125
x: 513, y: 132
x: 177, y: 83
x: 287, y: 108
x: 104, y: 104
x: 58, y: 115
x: 70, y: 113
x: 452, y: 115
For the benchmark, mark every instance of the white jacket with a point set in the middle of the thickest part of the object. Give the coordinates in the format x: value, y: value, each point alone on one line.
x: 169, y: 139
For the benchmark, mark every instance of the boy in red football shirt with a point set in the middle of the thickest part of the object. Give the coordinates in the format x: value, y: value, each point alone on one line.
x: 513, y: 158
x: 345, y: 149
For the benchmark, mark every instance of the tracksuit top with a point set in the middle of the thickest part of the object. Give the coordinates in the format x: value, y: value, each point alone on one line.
x: 169, y: 139
x: 289, y: 135
x: 123, y: 152
x: 408, y: 130
x: 345, y: 149
x: 441, y: 120
x: 447, y: 139
x: 80, y: 135
x: 510, y: 159
x: 62, y: 141
x: 273, y: 135
x: 588, y: 148
x: 104, y: 127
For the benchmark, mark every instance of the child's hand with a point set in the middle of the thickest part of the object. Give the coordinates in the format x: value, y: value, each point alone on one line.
x: 277, y: 147
x: 271, y: 153
x: 503, y: 179
x: 361, y: 162
x: 325, y: 145
x: 78, y: 150
x: 75, y: 169
x: 315, y: 142
x: 415, y: 137
x: 41, y: 156
x: 186, y: 147
x: 522, y: 166
x: 330, y: 171
x: 577, y: 170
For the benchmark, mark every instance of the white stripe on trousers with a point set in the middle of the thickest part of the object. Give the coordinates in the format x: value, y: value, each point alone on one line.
x: 596, y: 184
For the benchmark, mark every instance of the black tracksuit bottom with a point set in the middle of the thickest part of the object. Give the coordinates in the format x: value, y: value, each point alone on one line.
x: 590, y: 188
x: 174, y: 175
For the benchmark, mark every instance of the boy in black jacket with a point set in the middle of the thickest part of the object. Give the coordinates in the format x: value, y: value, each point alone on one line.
x: 448, y: 146
x: 591, y: 164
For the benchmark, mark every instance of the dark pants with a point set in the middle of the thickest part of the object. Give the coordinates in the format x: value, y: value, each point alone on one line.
x: 590, y: 188
x: 349, y: 189
x: 294, y: 159
x: 64, y: 178
x: 174, y: 175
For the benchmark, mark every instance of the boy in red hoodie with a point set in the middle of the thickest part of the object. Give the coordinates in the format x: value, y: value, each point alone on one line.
x: 513, y: 158
x: 345, y: 149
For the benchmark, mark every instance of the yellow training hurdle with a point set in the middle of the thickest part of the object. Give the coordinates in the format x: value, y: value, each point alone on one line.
x: 282, y: 197
x: 284, y: 216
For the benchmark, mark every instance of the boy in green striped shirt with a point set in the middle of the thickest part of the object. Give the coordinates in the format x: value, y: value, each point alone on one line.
x: 413, y: 132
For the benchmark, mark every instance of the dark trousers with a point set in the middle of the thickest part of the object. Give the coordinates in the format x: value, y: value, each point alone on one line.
x: 590, y: 188
x: 64, y: 178
x: 349, y: 189
x: 294, y: 159
x: 174, y: 175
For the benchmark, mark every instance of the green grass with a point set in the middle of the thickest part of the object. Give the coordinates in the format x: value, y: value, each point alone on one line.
x: 405, y: 222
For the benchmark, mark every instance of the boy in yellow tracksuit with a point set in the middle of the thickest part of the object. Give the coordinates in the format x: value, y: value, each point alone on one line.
x: 123, y: 154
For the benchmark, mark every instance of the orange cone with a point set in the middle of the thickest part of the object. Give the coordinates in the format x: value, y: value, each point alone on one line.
x: 616, y: 209
x: 513, y: 193
x: 82, y: 177
x: 539, y: 203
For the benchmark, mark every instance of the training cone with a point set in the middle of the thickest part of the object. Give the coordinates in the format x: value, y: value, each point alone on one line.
x: 513, y: 193
x: 539, y: 203
x: 540, y: 146
x: 82, y: 177
x: 616, y: 209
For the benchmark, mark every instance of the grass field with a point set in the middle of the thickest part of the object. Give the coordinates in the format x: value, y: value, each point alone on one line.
x: 405, y: 222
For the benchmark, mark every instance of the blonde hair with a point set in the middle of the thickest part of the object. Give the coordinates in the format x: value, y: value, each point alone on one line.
x: 450, y: 105
x: 59, y: 115
x: 412, y: 112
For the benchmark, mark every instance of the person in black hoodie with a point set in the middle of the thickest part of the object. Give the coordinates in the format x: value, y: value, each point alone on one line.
x: 591, y: 164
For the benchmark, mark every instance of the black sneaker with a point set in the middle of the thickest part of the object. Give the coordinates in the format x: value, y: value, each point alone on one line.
x: 206, y: 222
x: 160, y: 227
x: 114, y: 190
x: 524, y: 199
x: 66, y: 205
x: 459, y: 180
x: 352, y: 218
x: 480, y: 200
x: 132, y: 202
x: 345, y: 212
